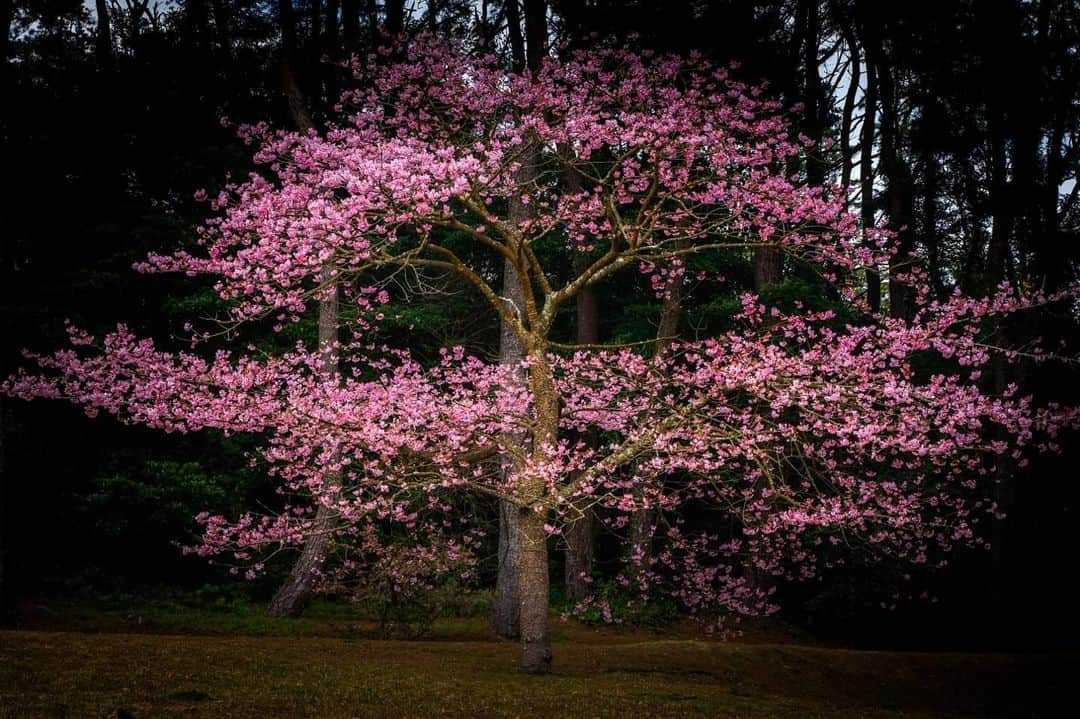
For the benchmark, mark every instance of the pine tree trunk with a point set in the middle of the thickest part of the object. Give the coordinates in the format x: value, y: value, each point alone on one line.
x: 579, y: 556
x: 642, y: 529
x: 504, y: 613
x: 579, y: 532
x: 103, y: 47
x: 768, y: 267
x: 643, y: 519
x: 866, y: 180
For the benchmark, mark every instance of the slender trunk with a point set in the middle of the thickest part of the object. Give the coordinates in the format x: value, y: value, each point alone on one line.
x: 866, y: 182
x: 643, y: 519
x: 931, y: 188
x: 504, y: 615
x: 330, y: 35
x: 350, y: 25
x: 848, y: 114
x: 395, y: 17
x: 998, y: 260
x: 7, y: 17
x: 292, y: 597
x: 536, y: 33
x: 579, y: 532
x: 533, y: 588
x: 513, y: 591
x: 513, y: 31
x: 504, y: 611
x: 103, y: 47
x: 816, y: 165
x: 899, y: 193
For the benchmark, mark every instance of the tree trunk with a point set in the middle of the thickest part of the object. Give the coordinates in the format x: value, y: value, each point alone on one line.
x: 395, y: 17
x: 899, y: 194
x: 998, y: 261
x: 813, y: 122
x: 643, y: 519
x: 504, y: 611
x: 866, y: 182
x: 579, y: 555
x: 768, y: 267
x: 850, y: 97
x: 510, y: 596
x: 223, y: 29
x: 103, y: 47
x: 292, y: 597
x: 579, y: 532
x: 350, y: 25
x: 533, y: 580
x: 7, y: 17
x: 504, y: 615
x: 533, y: 589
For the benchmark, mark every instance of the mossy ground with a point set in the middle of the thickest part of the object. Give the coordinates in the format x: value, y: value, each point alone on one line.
x: 323, y: 667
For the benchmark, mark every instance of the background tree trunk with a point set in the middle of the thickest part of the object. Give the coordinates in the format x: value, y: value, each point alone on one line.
x: 504, y: 615
x: 643, y: 519
x: 509, y: 595
x: 866, y: 181
x: 579, y: 533
x: 103, y: 47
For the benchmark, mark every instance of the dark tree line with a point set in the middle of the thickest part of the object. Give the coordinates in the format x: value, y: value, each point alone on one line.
x: 955, y: 123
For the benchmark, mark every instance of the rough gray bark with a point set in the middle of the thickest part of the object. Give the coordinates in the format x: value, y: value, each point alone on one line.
x: 768, y: 267
x: 533, y: 588
x: 505, y: 610
x: 504, y: 613
x: 514, y: 566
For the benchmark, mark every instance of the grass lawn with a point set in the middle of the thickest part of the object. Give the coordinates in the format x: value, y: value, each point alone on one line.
x: 598, y: 673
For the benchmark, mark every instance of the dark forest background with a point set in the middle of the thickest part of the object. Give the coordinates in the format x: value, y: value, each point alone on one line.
x: 956, y: 122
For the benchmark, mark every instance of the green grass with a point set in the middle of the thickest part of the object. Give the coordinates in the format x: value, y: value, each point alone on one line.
x: 598, y: 673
